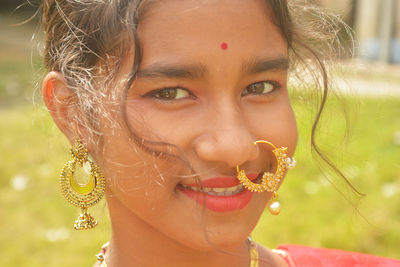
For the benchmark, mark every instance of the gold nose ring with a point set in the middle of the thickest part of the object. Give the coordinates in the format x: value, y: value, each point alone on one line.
x: 269, y: 181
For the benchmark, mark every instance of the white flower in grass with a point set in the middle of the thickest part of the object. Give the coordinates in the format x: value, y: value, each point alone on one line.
x: 59, y: 234
x: 311, y: 188
x: 19, y: 182
x: 389, y: 189
x: 46, y: 170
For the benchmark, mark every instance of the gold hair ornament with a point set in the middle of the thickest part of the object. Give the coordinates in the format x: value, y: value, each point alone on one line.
x: 82, y: 195
x: 270, y: 181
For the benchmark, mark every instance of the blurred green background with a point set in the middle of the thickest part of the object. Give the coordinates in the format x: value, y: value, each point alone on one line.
x: 36, y: 222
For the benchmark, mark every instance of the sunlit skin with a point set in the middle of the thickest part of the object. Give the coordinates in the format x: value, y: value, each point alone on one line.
x: 212, y: 103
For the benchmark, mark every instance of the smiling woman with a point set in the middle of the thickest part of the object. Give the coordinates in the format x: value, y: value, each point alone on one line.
x: 174, y: 122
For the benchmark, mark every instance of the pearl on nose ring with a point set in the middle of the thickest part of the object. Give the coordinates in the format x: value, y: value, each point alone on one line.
x: 275, y: 207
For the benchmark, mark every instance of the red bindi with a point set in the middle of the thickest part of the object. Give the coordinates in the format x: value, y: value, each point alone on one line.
x: 224, y: 46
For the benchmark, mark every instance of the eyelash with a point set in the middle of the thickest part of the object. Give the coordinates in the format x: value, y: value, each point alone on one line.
x: 156, y: 92
x: 275, y: 86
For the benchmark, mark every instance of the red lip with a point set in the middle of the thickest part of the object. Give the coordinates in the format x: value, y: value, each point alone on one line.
x: 220, y: 203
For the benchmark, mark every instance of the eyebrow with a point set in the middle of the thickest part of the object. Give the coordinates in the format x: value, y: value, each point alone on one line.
x: 261, y: 65
x: 162, y: 70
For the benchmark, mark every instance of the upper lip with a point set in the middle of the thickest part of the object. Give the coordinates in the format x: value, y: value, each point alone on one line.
x: 221, y: 181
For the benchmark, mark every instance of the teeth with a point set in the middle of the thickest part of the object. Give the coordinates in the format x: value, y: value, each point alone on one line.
x: 228, y: 191
x: 218, y: 190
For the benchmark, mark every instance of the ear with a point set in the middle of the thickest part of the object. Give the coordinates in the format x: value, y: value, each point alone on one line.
x: 61, y: 103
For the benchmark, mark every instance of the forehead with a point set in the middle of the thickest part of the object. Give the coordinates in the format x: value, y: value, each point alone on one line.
x: 174, y: 30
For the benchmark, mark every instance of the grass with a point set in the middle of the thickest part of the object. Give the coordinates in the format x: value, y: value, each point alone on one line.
x: 20, y: 64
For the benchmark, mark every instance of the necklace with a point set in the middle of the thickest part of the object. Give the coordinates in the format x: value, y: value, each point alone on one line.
x: 101, y: 257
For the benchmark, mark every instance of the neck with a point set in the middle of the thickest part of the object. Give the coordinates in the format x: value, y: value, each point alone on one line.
x: 134, y: 243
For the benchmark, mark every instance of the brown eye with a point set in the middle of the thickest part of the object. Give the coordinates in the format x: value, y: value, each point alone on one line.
x: 171, y: 94
x: 259, y: 88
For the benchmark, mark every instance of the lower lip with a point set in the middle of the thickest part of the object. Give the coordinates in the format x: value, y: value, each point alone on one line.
x: 220, y: 203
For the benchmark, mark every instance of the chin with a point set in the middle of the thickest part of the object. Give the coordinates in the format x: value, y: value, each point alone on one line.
x: 213, y: 242
x: 215, y: 233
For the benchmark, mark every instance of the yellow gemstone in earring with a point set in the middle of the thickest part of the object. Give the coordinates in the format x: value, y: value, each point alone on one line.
x: 83, y: 189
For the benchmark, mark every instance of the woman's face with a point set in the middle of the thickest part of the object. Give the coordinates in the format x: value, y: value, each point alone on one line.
x: 212, y: 81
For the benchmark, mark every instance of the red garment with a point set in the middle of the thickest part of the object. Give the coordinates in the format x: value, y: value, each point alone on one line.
x: 301, y: 256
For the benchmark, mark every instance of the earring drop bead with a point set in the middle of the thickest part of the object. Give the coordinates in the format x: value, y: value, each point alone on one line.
x: 275, y: 207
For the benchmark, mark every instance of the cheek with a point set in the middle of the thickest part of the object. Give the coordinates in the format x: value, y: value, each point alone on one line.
x: 141, y: 182
x: 135, y: 163
x: 276, y: 124
x: 122, y: 163
x: 288, y: 126
x: 177, y: 127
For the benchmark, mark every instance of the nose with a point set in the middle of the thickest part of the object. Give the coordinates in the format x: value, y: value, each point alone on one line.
x: 226, y: 138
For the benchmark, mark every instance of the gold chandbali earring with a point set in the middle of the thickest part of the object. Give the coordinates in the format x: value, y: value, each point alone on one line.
x: 82, y: 195
x: 269, y: 181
